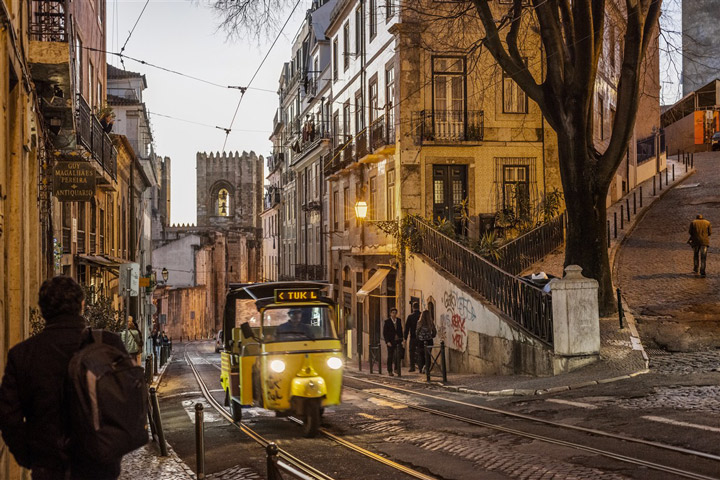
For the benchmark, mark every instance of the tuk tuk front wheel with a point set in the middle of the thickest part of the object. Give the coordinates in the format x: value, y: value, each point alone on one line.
x: 312, y: 417
x: 235, y: 410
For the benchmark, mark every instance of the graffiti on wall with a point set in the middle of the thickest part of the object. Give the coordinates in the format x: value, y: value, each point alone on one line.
x: 456, y: 319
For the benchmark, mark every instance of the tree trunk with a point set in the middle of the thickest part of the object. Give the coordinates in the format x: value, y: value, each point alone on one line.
x: 586, y: 243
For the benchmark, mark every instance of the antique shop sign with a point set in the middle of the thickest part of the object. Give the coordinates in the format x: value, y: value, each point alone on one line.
x: 73, y: 181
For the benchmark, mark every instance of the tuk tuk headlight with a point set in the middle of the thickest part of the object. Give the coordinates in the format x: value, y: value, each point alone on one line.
x: 277, y: 366
x: 334, y: 363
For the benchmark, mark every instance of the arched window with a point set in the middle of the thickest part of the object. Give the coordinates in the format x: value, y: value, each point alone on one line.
x: 223, y: 203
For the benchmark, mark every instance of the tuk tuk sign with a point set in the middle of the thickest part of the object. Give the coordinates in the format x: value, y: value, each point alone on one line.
x: 73, y: 181
x: 297, y: 295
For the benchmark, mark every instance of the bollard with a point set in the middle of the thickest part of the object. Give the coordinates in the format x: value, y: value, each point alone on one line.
x: 615, y: 220
x: 621, y: 314
x: 622, y: 217
x: 427, y: 361
x: 359, y: 361
x: 199, y: 441
x: 640, y: 196
x: 372, y: 362
x: 443, y: 365
x: 666, y: 176
x: 654, y: 186
x: 273, y: 472
x: 692, y: 160
x: 158, y: 422
x: 627, y: 207
x: 673, y: 172
x: 660, y: 181
x: 608, y: 233
x: 155, y: 361
x: 634, y: 203
x: 379, y: 359
x: 149, y: 369
x: 686, y: 166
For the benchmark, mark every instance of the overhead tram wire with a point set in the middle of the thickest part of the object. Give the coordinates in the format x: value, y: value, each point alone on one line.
x: 243, y: 89
x: 132, y: 31
x: 174, y: 72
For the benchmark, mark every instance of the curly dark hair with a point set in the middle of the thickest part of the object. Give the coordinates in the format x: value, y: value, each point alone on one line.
x: 60, y: 296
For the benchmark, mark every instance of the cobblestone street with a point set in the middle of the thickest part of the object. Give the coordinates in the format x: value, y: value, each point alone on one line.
x: 676, y: 310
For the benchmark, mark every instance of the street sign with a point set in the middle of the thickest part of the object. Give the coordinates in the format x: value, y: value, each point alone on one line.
x: 296, y: 295
x: 129, y: 280
x: 73, y: 181
x: 144, y: 281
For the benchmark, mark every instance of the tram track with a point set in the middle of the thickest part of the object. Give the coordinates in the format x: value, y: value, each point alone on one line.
x: 544, y: 438
x: 290, y: 461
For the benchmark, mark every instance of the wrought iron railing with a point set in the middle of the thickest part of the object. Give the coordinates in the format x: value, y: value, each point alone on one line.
x: 533, y: 246
x: 528, y: 306
x: 646, y: 149
x: 91, y: 135
x: 361, y: 147
x: 80, y: 241
x: 450, y: 125
x: 48, y: 21
x: 347, y: 153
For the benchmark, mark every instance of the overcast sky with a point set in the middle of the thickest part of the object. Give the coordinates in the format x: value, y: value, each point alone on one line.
x: 183, y: 36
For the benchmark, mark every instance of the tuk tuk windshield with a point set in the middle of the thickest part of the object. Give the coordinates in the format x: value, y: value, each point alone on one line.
x: 297, y: 323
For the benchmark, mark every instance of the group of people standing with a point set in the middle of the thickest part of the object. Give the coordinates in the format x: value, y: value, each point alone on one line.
x: 419, y: 330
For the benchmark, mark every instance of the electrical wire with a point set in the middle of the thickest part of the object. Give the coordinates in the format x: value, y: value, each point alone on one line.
x: 199, y: 123
x: 242, y: 90
x: 133, y: 29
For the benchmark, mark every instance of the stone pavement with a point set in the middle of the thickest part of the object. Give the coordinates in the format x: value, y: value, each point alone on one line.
x: 676, y: 310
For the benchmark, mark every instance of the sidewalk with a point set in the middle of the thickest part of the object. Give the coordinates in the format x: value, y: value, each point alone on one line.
x: 621, y: 353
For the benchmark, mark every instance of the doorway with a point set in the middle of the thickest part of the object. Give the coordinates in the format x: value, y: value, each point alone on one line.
x: 449, y: 194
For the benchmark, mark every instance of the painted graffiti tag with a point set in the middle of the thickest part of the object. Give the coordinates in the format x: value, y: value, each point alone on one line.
x: 459, y: 313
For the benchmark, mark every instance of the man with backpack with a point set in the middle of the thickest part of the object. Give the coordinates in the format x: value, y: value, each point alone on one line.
x: 48, y: 418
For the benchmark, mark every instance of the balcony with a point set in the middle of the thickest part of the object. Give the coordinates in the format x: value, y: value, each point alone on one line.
x: 275, y: 160
x: 272, y: 198
x: 449, y: 126
x: 90, y: 134
x: 382, y: 136
x: 48, y: 21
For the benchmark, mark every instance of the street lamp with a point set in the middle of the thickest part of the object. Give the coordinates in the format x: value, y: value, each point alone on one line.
x: 361, y: 208
x: 165, y: 274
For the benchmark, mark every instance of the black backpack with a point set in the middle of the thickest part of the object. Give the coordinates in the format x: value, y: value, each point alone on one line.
x: 107, y: 401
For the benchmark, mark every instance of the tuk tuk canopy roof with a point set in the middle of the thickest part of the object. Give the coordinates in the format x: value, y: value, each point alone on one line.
x: 259, y: 291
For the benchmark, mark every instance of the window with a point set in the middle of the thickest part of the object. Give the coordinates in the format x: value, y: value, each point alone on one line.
x: 91, y: 76
x: 514, y: 98
x: 516, y: 189
x: 346, y: 121
x: 359, y: 30
x: 373, y: 98
x: 359, y: 113
x: 223, y: 203
x: 449, y: 93
x: 99, y: 93
x: 336, y: 128
x: 390, y: 177
x: 373, y: 18
x: 336, y: 210
x: 346, y: 46
x: 388, y: 9
x: 78, y: 65
x: 335, y: 59
x: 390, y: 98
x: 346, y: 207
x: 373, y: 207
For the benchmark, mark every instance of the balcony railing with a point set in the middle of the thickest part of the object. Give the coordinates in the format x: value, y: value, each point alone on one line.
x: 382, y: 134
x: 272, y: 199
x: 646, y: 149
x: 91, y: 135
x: 535, y: 245
x: 361, y: 147
x: 275, y: 160
x: 80, y: 241
x: 526, y: 305
x: 48, y: 21
x: 450, y: 125
x: 347, y: 153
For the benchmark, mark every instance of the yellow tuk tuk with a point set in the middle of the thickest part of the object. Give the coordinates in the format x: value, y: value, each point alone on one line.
x: 285, y: 357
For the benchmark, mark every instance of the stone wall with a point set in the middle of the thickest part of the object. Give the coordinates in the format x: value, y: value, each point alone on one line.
x: 478, y: 338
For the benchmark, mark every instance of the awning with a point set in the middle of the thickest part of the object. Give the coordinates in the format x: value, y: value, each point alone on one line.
x: 100, y: 261
x: 373, y: 282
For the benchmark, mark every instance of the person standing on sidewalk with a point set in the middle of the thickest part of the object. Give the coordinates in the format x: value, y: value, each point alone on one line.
x: 411, y: 332
x: 393, y: 335
x: 700, y: 231
x: 426, y: 331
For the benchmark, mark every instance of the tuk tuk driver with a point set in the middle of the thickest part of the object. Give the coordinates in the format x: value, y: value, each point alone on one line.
x: 294, y: 325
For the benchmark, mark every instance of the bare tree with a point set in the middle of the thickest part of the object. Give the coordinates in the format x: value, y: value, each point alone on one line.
x: 572, y: 37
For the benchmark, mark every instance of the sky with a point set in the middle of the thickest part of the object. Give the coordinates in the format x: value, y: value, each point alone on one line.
x: 184, y: 36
